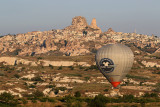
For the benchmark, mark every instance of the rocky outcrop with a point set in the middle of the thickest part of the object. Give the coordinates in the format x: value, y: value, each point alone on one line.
x: 110, y: 31
x: 16, y: 60
x: 157, y: 51
x: 95, y: 27
x: 150, y: 64
x: 78, y: 23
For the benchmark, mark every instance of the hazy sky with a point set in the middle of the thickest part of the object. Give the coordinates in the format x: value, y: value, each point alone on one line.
x: 21, y: 16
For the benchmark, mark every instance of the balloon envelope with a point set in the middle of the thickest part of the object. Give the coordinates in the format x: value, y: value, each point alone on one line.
x: 114, y: 62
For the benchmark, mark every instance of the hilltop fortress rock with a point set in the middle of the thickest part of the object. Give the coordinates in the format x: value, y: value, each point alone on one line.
x: 79, y: 24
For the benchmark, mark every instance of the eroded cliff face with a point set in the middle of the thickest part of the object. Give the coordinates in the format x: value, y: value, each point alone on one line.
x: 16, y: 61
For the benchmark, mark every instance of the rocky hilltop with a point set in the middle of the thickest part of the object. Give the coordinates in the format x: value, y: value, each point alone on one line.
x: 77, y: 39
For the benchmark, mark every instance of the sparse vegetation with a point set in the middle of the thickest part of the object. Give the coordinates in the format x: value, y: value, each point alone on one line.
x: 8, y: 99
x: 137, y: 77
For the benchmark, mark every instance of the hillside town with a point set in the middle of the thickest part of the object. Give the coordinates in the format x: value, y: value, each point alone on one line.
x: 76, y: 39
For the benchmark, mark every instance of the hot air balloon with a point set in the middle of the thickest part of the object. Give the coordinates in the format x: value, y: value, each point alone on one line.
x: 114, y: 61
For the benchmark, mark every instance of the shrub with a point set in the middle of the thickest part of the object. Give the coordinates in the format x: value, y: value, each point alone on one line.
x: 87, y: 78
x: 62, y: 88
x: 44, y: 99
x: 38, y: 94
x: 25, y: 79
x: 80, y: 67
x: 106, y: 90
x: 34, y: 101
x: 77, y: 104
x: 36, y: 79
x: 56, y: 91
x: 60, y: 68
x: 16, y: 75
x: 24, y: 101
x: 39, y: 58
x: 51, y: 66
x: 98, y: 101
x: 51, y: 100
x: 32, y: 86
x: 77, y: 94
x: 50, y: 86
x: 71, y: 67
x: 8, y: 99
x: 150, y: 95
x: 93, y: 67
x: 128, y: 98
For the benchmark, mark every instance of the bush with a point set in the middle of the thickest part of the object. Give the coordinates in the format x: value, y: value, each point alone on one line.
x: 39, y: 58
x: 51, y: 100
x: 98, y: 101
x: 71, y: 67
x: 56, y: 91
x: 36, y: 79
x: 80, y: 67
x: 150, y: 95
x: 87, y: 78
x: 128, y: 98
x: 60, y: 68
x: 77, y: 94
x: 24, y: 101
x: 106, y: 90
x: 93, y: 67
x: 38, y: 94
x: 32, y: 86
x: 25, y: 79
x: 51, y: 66
x: 77, y: 104
x: 62, y: 88
x: 7, y: 98
x: 50, y: 86
x: 44, y: 99
x: 16, y: 75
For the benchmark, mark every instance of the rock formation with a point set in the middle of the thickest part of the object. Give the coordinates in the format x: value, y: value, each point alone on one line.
x: 110, y: 30
x: 78, y: 23
x: 94, y: 26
